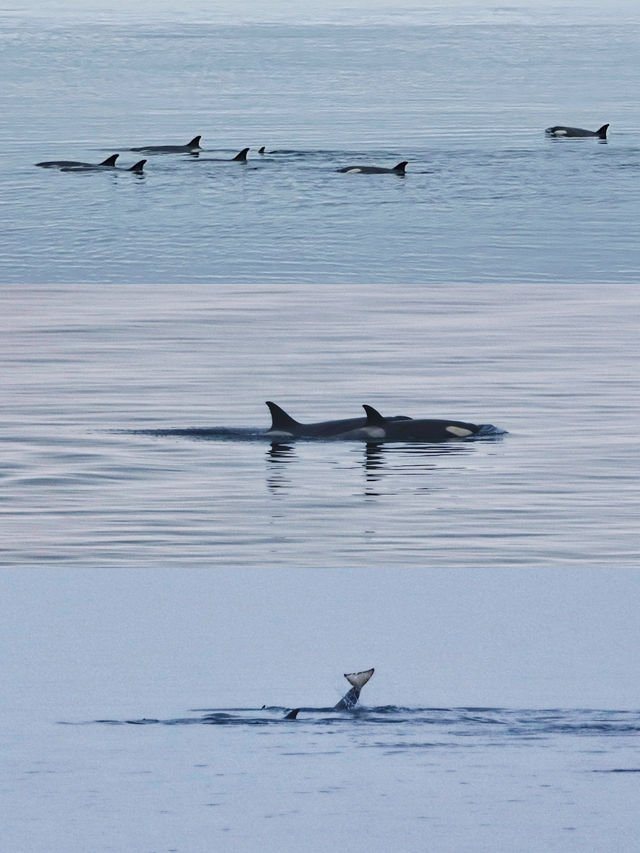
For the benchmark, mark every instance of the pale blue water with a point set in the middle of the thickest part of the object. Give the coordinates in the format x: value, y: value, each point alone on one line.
x: 148, y: 572
x: 462, y: 93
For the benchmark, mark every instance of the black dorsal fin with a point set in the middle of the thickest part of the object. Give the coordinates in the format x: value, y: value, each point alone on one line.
x: 602, y: 131
x: 374, y: 418
x: 137, y: 167
x: 280, y: 420
x: 261, y: 150
x: 110, y: 161
x: 401, y: 167
x: 241, y: 155
x: 195, y: 142
x: 292, y: 714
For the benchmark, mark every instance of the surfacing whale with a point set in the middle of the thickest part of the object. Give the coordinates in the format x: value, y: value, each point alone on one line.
x: 559, y: 130
x: 399, y: 169
x: 381, y: 429
x: 109, y: 163
x: 350, y: 699
x: 241, y: 157
x: 190, y: 148
x: 137, y: 168
x: 283, y: 426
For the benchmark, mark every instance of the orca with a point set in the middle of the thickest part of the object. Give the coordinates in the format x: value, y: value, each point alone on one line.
x: 284, y: 427
x: 241, y: 157
x: 374, y: 170
x: 190, y: 148
x: 559, y: 130
x: 138, y: 168
x: 109, y: 163
x: 357, y: 680
x: 381, y: 429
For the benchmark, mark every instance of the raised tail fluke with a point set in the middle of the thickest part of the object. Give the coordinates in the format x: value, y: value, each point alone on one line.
x: 358, y: 680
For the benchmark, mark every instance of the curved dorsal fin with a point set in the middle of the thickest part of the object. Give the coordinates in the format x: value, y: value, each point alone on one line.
x: 401, y: 166
x: 280, y: 420
x: 195, y: 142
x: 110, y: 161
x: 374, y: 418
x: 261, y: 150
x: 602, y: 131
x: 241, y: 155
x: 137, y: 167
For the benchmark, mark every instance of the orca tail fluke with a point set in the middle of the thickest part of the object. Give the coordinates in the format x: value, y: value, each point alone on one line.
x: 110, y: 161
x: 359, y: 679
x: 602, y: 131
x: 241, y: 156
x: 137, y: 167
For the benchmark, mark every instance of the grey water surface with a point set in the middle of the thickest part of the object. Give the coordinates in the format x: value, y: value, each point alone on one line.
x: 171, y: 580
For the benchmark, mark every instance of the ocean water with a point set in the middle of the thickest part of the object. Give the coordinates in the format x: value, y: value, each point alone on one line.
x: 463, y: 93
x: 164, y: 563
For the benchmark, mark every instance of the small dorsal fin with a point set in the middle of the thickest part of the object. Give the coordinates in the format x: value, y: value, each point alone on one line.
x: 292, y: 714
x: 602, y: 131
x: 374, y: 418
x: 195, y: 142
x: 110, y: 161
x: 137, y: 167
x: 401, y: 166
x: 241, y: 155
x: 261, y: 150
x: 280, y: 420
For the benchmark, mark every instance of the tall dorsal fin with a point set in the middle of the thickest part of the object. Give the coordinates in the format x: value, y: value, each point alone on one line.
x: 110, y: 161
x: 401, y: 166
x: 359, y: 679
x: 602, y: 131
x: 374, y: 418
x: 195, y: 142
x: 137, y: 167
x: 241, y: 155
x: 280, y: 420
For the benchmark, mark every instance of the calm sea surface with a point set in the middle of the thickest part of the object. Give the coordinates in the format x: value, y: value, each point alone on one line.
x: 156, y: 573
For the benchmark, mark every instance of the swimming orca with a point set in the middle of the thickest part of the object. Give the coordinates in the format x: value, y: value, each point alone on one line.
x: 283, y: 426
x: 190, y: 148
x: 109, y: 163
x: 350, y: 699
x: 559, y: 130
x: 241, y: 157
x: 138, y: 168
x: 374, y: 170
x: 380, y: 429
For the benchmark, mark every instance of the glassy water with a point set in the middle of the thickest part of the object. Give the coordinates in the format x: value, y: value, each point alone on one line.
x: 160, y: 555
x: 463, y: 93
